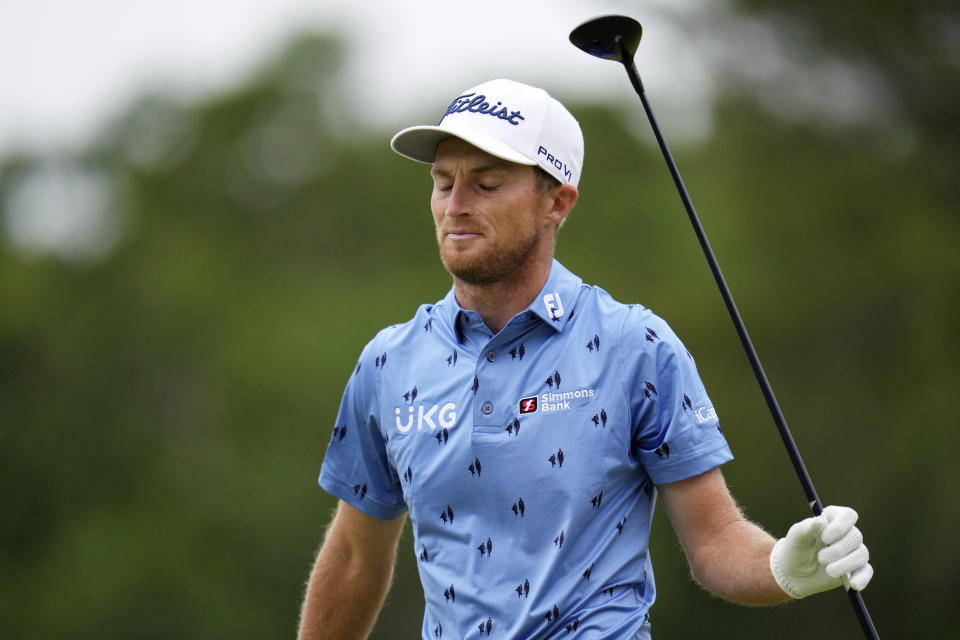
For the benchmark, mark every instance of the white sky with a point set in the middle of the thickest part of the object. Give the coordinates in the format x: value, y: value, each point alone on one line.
x: 67, y: 66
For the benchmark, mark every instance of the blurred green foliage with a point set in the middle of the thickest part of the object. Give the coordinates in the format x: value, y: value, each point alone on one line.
x: 164, y: 407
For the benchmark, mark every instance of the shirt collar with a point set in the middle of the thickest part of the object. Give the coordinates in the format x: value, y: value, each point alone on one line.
x: 554, y: 305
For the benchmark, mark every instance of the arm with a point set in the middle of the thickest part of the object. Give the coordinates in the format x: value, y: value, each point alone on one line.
x: 351, y: 576
x: 727, y: 554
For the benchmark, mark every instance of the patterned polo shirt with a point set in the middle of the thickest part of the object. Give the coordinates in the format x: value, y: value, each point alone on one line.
x: 528, y: 459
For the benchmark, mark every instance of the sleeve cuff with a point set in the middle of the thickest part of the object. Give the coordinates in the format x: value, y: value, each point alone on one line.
x: 365, y: 502
x: 663, y: 471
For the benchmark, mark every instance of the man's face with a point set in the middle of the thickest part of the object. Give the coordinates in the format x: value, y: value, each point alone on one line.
x: 490, y: 215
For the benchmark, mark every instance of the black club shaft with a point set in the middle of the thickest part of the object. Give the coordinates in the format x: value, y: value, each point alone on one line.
x: 856, y: 599
x: 617, y: 38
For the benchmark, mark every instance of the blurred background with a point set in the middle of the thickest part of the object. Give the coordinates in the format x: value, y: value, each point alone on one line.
x: 201, y: 224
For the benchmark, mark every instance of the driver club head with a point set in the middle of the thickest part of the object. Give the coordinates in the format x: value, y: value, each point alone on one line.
x: 602, y: 37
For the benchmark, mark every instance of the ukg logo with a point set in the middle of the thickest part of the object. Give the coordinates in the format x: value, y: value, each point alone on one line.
x: 422, y: 415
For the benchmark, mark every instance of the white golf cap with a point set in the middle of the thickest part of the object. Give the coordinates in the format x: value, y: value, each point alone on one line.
x: 509, y: 120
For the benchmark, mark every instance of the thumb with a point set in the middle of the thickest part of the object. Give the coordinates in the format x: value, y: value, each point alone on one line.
x: 806, y: 531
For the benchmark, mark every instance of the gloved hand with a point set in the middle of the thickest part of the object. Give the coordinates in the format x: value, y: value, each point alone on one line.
x: 822, y: 553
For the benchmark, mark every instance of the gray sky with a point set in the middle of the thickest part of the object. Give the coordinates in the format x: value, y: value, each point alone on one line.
x: 68, y: 66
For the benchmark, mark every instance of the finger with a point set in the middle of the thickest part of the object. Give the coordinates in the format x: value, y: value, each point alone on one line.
x: 860, y: 578
x: 842, y: 547
x: 803, y: 531
x: 849, y: 563
x: 839, y: 521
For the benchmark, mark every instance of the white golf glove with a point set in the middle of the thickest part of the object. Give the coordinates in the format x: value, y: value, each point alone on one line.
x: 822, y: 553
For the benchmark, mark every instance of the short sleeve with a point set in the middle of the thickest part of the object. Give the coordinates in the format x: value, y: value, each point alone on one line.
x: 675, y: 430
x: 356, y: 467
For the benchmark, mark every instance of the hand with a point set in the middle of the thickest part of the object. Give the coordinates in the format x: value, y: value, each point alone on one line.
x: 822, y: 553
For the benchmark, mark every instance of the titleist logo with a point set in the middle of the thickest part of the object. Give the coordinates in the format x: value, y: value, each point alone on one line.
x: 477, y: 103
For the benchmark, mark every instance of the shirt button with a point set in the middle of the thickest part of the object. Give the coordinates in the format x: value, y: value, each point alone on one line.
x: 491, y: 356
x: 487, y: 408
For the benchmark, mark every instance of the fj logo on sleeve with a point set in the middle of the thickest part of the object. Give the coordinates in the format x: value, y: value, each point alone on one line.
x: 553, y: 305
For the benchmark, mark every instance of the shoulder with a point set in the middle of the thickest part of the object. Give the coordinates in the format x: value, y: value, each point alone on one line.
x: 628, y: 317
x: 637, y: 329
x: 400, y: 336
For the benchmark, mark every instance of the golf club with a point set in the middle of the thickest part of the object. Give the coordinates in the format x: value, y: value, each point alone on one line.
x: 617, y: 38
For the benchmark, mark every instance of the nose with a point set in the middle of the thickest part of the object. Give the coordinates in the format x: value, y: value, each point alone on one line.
x: 458, y: 199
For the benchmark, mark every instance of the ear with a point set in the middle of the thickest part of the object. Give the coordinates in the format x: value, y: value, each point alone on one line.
x: 562, y: 197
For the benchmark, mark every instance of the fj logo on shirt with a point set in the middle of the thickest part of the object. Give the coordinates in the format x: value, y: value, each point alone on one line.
x: 446, y: 416
x: 553, y: 305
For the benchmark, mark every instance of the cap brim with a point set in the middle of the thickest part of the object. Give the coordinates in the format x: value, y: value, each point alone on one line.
x: 420, y: 144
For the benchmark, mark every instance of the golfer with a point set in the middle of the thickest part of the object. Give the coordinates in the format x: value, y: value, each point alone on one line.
x: 527, y: 424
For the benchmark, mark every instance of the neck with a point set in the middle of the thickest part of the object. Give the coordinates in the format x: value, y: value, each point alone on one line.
x: 499, y: 301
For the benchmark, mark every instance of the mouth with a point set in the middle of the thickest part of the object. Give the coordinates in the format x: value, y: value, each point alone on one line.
x: 462, y: 235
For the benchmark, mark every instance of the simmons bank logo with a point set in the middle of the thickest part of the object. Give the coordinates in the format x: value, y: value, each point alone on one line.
x: 553, y: 401
x: 424, y: 416
x: 528, y: 405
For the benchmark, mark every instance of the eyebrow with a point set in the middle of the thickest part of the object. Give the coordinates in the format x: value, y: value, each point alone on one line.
x: 487, y: 168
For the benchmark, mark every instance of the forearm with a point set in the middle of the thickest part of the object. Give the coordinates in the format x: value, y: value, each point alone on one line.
x: 350, y: 577
x: 731, y: 557
x: 735, y: 565
x: 728, y: 555
x: 343, y: 597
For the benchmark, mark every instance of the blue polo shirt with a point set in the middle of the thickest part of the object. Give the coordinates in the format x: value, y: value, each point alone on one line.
x: 528, y: 459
